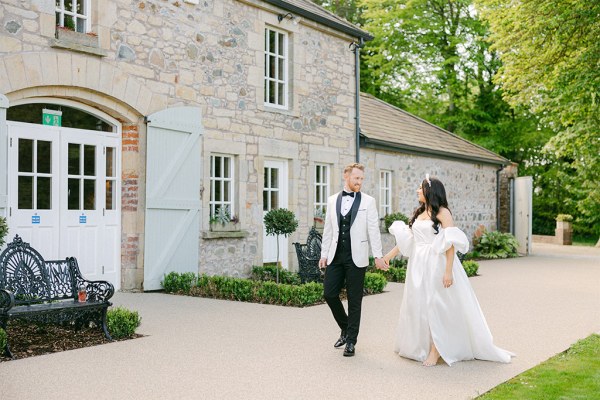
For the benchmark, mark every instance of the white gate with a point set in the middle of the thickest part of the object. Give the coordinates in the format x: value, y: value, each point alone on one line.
x: 523, y: 213
x: 173, y: 173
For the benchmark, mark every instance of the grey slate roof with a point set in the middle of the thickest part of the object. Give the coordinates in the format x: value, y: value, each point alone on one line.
x: 309, y: 10
x: 384, y: 126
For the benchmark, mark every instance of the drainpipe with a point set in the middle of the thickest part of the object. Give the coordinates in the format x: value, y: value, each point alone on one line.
x: 355, y: 47
x: 498, y: 197
x: 3, y: 157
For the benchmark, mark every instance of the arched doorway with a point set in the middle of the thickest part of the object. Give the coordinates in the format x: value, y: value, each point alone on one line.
x: 64, y: 183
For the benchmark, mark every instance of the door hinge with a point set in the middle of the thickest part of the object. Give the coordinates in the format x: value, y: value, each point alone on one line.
x: 103, y: 270
x: 10, y: 145
x: 10, y: 211
x: 103, y: 211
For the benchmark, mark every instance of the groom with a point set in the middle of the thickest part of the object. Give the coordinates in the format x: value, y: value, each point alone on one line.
x: 351, y: 217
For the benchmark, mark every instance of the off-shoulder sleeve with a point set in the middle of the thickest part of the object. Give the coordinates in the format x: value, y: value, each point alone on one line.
x: 404, y: 237
x: 448, y: 237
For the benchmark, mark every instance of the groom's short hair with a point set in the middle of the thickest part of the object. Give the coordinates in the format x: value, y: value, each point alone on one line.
x: 348, y: 168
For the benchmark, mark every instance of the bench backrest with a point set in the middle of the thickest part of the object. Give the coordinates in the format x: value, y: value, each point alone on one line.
x: 24, y: 272
x: 313, y: 243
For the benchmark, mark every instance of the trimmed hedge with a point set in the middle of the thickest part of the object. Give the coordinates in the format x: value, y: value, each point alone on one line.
x: 257, y: 291
x: 3, y: 339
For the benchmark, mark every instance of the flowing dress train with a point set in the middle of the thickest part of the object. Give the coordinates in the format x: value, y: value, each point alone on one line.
x: 451, y: 317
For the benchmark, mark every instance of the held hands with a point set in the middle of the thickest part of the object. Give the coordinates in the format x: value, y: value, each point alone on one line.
x: 382, y: 264
x: 448, y: 279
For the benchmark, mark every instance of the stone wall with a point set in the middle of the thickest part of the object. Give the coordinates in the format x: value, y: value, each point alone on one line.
x: 155, y: 54
x: 470, y: 187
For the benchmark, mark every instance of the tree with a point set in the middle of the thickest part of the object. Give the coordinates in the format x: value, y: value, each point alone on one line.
x: 550, y: 50
x: 280, y: 221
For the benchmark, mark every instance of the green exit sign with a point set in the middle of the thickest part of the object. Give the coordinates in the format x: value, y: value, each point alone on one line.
x: 51, y: 117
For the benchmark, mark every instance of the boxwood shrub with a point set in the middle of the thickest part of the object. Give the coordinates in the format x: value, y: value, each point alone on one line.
x: 122, y: 322
x: 3, y: 340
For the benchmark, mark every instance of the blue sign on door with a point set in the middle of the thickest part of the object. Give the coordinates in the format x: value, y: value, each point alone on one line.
x: 82, y: 219
x: 35, y: 219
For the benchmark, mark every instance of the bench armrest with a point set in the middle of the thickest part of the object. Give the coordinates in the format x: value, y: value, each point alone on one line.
x: 99, y: 291
x: 7, y: 300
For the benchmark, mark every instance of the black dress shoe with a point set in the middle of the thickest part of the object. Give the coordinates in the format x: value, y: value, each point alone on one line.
x: 349, y: 350
x: 341, y: 341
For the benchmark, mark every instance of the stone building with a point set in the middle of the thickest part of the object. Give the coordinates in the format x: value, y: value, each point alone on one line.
x: 169, y: 111
x: 398, y: 149
x: 127, y: 126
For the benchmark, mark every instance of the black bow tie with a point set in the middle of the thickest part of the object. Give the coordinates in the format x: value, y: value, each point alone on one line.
x: 351, y: 194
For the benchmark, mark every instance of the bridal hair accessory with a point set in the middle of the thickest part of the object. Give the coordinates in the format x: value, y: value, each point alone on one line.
x: 427, y: 179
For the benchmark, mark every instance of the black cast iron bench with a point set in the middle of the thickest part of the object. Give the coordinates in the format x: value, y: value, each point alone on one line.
x: 46, y: 292
x: 309, y: 254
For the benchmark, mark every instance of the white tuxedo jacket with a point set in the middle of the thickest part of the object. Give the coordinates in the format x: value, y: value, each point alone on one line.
x: 364, y: 228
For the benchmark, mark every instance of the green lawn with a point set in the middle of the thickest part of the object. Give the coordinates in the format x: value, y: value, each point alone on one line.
x: 572, y: 374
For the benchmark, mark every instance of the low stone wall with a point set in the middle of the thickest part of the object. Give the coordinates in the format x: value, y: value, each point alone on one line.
x: 544, y: 239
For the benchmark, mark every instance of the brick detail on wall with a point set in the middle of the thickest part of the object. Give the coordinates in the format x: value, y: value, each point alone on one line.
x: 129, y: 250
x: 131, y: 138
x: 130, y: 192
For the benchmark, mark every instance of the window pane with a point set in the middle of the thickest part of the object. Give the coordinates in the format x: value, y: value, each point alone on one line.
x: 226, y: 191
x: 274, y: 200
x: 266, y: 40
x: 25, y: 155
x: 281, y: 65
x: 89, y: 160
x: 318, y: 174
x: 266, y: 178
x: 89, y: 194
x: 265, y: 200
x: 274, y: 178
x: 80, y: 7
x: 69, y: 22
x: 25, y: 192
x: 217, y: 170
x: 80, y: 25
x: 44, y: 193
x: 281, y: 97
x: 74, y: 156
x: 272, y: 41
x: 110, y: 195
x: 44, y: 157
x: 266, y: 65
x: 272, y: 92
x: 281, y: 44
x: 73, y: 195
x: 227, y: 167
x: 58, y: 17
x: 218, y: 191
x: 110, y: 161
x: 272, y: 65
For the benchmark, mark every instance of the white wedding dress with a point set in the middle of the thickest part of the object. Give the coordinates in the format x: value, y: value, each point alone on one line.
x: 451, y: 317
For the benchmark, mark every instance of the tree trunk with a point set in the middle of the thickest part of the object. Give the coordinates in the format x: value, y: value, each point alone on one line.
x: 598, y: 243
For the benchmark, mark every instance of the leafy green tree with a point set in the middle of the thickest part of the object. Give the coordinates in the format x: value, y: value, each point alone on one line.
x: 550, y: 50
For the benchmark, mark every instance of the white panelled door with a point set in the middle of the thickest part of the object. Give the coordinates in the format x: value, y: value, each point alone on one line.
x: 64, y: 196
x: 275, y: 195
x: 173, y: 173
x: 523, y: 213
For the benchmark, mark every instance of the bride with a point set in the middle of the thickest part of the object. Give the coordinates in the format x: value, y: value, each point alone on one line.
x: 440, y: 315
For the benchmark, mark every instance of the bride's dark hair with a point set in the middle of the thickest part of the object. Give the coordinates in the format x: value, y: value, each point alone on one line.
x: 435, y: 197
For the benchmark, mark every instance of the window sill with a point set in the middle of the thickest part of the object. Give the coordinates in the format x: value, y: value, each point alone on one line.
x: 77, y: 41
x: 208, y: 235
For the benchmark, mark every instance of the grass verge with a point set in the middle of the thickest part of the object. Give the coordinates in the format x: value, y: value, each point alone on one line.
x: 573, y: 374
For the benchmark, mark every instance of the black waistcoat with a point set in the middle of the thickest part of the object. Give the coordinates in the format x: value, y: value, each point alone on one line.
x: 343, y: 252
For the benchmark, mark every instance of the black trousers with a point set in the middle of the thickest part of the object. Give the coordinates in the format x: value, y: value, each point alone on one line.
x: 335, y: 275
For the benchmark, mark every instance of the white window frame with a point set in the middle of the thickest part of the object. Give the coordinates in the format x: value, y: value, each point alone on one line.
x: 277, y: 79
x: 77, y: 15
x: 322, y: 186
x: 385, y: 193
x: 225, y: 181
